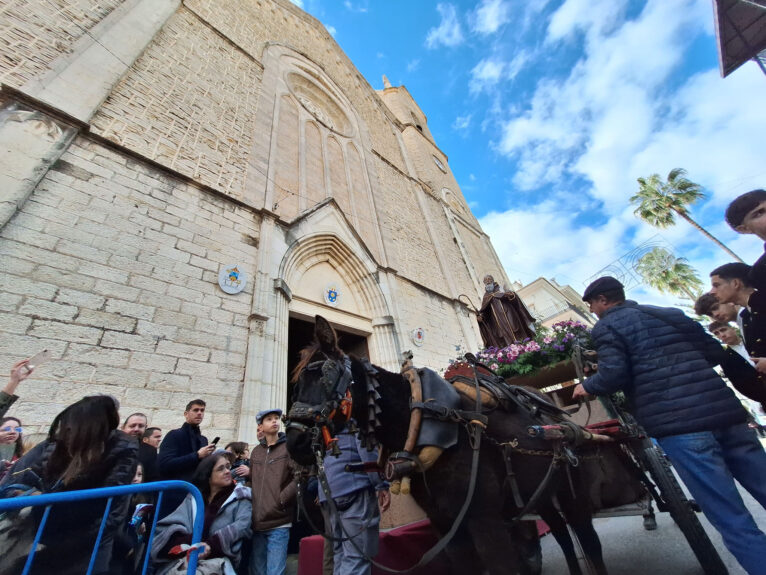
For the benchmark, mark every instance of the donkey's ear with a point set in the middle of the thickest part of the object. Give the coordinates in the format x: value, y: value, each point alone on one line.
x: 325, y: 336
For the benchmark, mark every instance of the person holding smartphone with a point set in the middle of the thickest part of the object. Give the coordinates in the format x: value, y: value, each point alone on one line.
x: 181, y: 451
x: 19, y: 372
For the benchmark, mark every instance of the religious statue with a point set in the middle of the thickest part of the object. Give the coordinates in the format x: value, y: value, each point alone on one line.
x: 503, y: 317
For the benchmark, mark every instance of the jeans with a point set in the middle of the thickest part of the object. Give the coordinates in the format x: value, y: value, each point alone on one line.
x: 360, y: 517
x: 269, y: 551
x: 708, y: 462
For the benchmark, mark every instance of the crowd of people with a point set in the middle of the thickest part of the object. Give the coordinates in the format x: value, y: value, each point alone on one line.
x: 665, y: 362
x: 249, y: 496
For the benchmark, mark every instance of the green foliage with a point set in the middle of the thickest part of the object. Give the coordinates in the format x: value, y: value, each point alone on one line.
x: 658, y: 201
x: 662, y: 270
x: 549, y: 346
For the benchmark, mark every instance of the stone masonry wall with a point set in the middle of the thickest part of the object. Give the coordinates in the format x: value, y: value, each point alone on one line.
x: 481, y: 253
x: 446, y: 239
x: 34, y: 33
x: 189, y: 103
x: 436, y: 315
x: 409, y: 246
x: 113, y: 267
x: 252, y: 23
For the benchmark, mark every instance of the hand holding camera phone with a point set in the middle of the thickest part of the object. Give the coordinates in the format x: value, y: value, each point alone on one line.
x: 38, y: 359
x: 215, y: 441
x: 22, y: 369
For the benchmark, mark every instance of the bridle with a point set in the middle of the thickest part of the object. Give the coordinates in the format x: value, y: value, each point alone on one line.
x: 326, y: 418
x: 319, y: 422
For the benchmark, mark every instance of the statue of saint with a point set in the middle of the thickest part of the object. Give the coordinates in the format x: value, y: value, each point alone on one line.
x: 503, y: 317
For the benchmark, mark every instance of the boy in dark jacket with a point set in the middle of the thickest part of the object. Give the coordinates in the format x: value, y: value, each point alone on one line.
x: 661, y: 359
x: 731, y: 283
x: 274, y: 492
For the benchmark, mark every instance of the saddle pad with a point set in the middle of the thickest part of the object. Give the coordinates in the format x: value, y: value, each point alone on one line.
x: 432, y: 431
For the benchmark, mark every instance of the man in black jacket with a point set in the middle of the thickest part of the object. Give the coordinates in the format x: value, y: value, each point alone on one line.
x: 663, y: 361
x: 732, y: 283
x: 747, y: 215
x: 135, y: 426
x: 181, y: 451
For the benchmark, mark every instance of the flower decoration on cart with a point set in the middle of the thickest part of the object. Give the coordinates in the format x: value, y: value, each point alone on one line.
x: 549, y: 347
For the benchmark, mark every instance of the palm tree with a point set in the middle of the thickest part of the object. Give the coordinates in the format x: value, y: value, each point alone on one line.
x: 658, y: 202
x: 669, y: 274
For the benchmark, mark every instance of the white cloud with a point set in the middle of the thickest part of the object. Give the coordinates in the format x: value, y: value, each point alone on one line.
x: 331, y: 30
x: 449, y: 32
x: 592, y: 123
x: 485, y: 75
x: 546, y: 241
x: 298, y: 3
x: 489, y: 72
x: 625, y: 111
x: 593, y: 17
x: 490, y: 15
x: 356, y: 7
x: 462, y: 123
x: 413, y: 65
x: 517, y: 64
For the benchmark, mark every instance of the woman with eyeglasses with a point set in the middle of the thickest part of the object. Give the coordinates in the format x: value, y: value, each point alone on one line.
x: 228, y: 514
x: 11, y: 443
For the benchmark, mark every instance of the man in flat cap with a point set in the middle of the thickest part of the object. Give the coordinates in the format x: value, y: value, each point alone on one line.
x: 274, y: 493
x: 663, y: 361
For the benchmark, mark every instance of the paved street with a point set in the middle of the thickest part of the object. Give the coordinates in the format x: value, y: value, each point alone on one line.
x: 630, y: 550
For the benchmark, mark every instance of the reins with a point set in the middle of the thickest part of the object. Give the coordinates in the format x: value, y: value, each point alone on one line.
x: 475, y: 429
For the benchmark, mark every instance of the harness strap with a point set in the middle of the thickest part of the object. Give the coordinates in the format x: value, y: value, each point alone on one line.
x: 541, y: 489
x: 475, y: 429
x: 444, y: 413
x: 511, y: 477
x: 416, y: 397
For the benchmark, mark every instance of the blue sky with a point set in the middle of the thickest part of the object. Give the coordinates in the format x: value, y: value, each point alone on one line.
x: 550, y: 109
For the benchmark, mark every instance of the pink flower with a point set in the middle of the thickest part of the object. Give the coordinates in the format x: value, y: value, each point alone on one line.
x: 494, y: 366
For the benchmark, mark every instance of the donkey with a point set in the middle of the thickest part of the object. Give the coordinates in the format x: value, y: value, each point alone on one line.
x: 485, y: 538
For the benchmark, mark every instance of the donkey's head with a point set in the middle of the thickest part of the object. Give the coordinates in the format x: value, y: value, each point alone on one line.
x: 321, y: 396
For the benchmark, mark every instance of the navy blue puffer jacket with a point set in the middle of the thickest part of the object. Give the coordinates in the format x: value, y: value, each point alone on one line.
x: 657, y: 356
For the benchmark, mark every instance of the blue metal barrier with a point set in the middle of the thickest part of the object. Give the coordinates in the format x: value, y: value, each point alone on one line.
x: 109, y: 493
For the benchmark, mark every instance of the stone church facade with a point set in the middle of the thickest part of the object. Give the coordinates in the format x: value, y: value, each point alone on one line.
x: 147, y: 145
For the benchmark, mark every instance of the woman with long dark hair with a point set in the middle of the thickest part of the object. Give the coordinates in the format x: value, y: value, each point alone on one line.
x: 84, y: 450
x: 228, y: 515
x: 11, y: 443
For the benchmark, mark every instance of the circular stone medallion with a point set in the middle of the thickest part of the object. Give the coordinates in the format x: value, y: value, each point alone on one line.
x: 232, y: 279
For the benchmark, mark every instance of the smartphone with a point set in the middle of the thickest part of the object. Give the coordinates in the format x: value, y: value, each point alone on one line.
x: 215, y: 441
x: 38, y: 359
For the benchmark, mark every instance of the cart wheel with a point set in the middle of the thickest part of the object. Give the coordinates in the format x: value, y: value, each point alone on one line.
x: 681, y: 511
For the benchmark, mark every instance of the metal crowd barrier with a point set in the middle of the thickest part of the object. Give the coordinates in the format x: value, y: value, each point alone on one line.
x: 109, y: 493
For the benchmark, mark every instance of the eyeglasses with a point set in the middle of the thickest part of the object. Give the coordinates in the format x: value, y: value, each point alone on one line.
x: 16, y: 429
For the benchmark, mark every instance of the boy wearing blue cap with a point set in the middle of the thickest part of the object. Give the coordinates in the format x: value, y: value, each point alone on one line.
x: 274, y: 493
